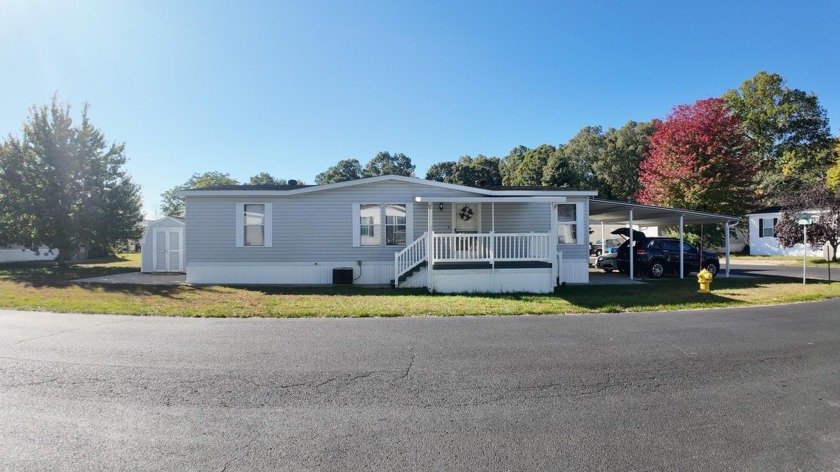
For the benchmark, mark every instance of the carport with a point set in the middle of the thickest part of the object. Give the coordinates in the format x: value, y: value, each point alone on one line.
x: 630, y: 214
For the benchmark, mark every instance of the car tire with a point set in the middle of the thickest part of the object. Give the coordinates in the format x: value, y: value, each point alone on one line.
x: 597, y: 252
x: 607, y: 270
x: 713, y: 268
x: 656, y: 269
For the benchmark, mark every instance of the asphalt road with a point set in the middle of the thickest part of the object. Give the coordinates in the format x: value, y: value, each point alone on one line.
x: 743, y: 389
x: 792, y: 271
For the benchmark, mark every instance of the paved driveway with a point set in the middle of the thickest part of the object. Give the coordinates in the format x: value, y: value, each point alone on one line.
x: 747, y: 389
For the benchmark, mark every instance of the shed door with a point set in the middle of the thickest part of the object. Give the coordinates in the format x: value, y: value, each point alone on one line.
x: 169, y: 252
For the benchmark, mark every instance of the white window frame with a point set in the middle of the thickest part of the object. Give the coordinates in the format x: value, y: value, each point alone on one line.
x: 357, y: 224
x: 765, y: 226
x: 267, y: 223
x: 577, y: 229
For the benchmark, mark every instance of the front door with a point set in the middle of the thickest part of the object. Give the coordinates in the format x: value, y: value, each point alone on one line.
x: 467, y: 217
x: 169, y: 253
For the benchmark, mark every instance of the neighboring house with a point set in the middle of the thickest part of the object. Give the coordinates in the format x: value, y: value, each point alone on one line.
x: 162, y: 246
x: 763, y: 240
x: 14, y: 253
x: 388, y: 230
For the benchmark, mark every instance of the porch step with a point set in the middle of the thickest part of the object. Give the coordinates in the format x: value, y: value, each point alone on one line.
x: 413, y: 271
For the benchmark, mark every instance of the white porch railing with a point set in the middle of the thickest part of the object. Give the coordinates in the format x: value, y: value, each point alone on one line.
x: 485, y: 247
x: 491, y: 247
x: 409, y: 257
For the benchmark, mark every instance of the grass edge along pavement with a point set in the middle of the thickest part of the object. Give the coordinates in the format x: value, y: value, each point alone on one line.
x: 49, y: 287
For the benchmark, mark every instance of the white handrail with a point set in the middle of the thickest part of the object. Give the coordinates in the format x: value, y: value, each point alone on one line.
x: 409, y: 257
x: 491, y: 247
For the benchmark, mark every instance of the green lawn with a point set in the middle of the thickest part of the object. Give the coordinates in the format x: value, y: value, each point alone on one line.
x: 49, y: 287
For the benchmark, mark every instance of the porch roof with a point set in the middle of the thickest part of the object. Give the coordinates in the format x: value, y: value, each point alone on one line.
x: 477, y: 199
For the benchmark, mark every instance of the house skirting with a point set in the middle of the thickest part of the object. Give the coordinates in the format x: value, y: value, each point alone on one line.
x: 445, y: 278
x: 533, y: 280
x: 286, y: 273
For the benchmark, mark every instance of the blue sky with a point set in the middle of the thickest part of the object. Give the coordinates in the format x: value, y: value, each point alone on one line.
x: 292, y: 87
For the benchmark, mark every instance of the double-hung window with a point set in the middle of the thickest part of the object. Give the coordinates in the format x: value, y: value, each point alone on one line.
x: 395, y: 225
x: 381, y: 224
x: 369, y: 220
x: 253, y: 225
x: 567, y: 223
x: 767, y: 227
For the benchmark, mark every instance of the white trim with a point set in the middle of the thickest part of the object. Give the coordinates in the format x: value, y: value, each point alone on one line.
x: 383, y: 178
x: 357, y: 229
x: 268, y: 222
x: 409, y: 223
x: 517, y: 199
x: 240, y: 225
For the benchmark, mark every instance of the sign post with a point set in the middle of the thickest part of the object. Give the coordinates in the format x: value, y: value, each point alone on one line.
x: 804, y: 219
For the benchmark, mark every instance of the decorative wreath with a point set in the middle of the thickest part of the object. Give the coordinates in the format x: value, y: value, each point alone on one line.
x: 466, y: 213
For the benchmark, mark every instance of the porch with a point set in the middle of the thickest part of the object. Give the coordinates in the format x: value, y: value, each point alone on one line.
x: 458, y: 262
x: 477, y: 244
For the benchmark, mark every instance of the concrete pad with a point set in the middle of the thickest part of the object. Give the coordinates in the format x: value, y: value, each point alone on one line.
x: 138, y: 278
x: 599, y: 277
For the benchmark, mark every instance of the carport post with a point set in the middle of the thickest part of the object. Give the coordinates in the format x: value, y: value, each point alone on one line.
x: 632, y: 249
x: 682, y: 250
x: 726, y: 238
x: 603, y: 239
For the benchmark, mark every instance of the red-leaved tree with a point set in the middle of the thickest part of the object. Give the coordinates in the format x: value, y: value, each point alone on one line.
x: 699, y: 160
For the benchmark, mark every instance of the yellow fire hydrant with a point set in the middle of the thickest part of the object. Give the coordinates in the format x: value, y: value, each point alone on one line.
x: 704, y: 278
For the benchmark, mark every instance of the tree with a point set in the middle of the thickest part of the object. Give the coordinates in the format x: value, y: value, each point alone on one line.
x: 264, y: 178
x: 789, y: 132
x: 617, y: 168
x: 510, y: 163
x: 62, y: 186
x: 824, y: 205
x: 832, y: 176
x: 348, y: 169
x: 530, y: 168
x: 173, y: 205
x: 561, y: 170
x: 441, y: 171
x: 572, y: 165
x: 481, y: 171
x: 699, y: 160
x: 386, y: 164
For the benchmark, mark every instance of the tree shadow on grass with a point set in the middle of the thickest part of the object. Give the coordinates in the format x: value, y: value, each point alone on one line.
x: 664, y: 292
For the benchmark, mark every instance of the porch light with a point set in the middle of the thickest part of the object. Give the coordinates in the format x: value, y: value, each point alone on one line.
x: 440, y: 206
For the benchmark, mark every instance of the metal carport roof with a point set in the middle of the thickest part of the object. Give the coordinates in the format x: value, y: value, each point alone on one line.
x: 615, y: 212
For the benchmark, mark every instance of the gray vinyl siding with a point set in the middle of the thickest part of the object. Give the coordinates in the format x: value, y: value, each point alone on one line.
x: 311, y: 227
x: 318, y: 226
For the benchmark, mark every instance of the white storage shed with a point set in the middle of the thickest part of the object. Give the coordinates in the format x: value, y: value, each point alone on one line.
x: 162, y: 246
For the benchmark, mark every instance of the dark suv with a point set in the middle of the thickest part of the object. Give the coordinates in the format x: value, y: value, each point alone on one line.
x: 657, y: 256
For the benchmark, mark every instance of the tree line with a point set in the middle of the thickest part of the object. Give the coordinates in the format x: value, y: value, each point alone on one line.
x: 62, y: 185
